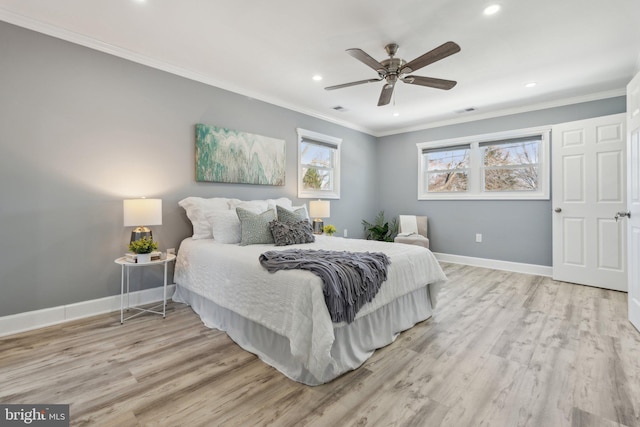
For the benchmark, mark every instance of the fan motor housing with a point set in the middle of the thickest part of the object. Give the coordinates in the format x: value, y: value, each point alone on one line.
x: 393, y: 64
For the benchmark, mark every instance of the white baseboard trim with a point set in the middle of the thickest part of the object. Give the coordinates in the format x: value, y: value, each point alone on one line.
x: 516, y: 267
x: 30, y: 320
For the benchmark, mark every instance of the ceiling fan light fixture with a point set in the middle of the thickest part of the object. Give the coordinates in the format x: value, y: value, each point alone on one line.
x: 530, y: 84
x: 492, y: 9
x: 317, y: 78
x: 396, y: 114
x: 393, y: 69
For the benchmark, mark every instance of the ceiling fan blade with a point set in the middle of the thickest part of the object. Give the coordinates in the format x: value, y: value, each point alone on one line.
x: 351, y: 84
x: 385, y: 95
x: 430, y: 82
x: 441, y: 52
x: 367, y: 60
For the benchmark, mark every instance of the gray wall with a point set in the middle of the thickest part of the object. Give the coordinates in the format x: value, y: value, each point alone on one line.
x: 518, y: 231
x: 81, y: 130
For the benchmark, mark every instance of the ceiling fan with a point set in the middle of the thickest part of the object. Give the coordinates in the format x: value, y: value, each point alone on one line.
x: 394, y: 69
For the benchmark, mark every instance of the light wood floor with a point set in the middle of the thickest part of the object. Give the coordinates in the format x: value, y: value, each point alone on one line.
x: 502, y: 349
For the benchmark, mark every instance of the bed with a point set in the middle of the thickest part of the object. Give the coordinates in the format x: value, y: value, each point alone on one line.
x: 282, y: 317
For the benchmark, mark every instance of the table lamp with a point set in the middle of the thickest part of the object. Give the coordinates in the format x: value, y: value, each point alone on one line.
x: 140, y: 213
x: 319, y: 209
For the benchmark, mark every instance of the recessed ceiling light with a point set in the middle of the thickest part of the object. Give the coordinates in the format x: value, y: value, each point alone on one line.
x: 396, y: 114
x: 317, y: 77
x: 530, y: 84
x: 491, y: 9
x: 465, y: 110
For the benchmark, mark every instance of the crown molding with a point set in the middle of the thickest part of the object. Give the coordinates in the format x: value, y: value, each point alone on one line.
x: 510, y: 111
x: 76, y: 38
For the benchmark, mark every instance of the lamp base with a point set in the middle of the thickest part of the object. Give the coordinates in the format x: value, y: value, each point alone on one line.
x: 318, y: 224
x: 140, y: 232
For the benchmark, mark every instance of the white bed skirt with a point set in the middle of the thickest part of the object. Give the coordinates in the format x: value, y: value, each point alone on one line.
x: 354, y: 343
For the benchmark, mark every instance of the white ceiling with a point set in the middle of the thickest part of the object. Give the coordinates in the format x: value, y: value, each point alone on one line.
x: 269, y: 50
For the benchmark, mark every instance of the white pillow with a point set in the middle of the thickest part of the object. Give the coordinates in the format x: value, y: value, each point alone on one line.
x: 282, y: 201
x: 261, y: 205
x: 251, y: 205
x: 197, y: 209
x: 225, y: 226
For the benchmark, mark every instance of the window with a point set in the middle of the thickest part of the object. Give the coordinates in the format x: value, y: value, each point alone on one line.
x: 318, y: 165
x: 511, y: 165
x: 507, y: 165
x: 447, y: 169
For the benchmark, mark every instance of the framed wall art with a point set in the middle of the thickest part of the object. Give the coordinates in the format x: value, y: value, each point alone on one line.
x: 231, y: 156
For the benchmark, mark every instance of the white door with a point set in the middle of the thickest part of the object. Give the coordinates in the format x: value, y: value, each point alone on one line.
x: 589, y: 174
x: 633, y: 197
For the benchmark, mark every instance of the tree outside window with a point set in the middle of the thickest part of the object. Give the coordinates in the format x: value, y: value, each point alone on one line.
x: 511, y: 166
x: 448, y: 170
x: 319, y: 165
x: 506, y: 165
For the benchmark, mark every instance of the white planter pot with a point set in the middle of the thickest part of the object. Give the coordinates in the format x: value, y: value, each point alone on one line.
x: 144, y: 258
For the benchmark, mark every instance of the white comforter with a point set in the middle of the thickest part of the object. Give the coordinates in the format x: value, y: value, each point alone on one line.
x: 291, y: 302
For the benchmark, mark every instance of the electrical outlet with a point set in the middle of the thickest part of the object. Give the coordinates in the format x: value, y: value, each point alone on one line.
x: 346, y: 233
x: 478, y: 238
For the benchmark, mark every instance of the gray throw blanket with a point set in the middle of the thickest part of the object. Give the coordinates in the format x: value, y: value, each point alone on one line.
x: 351, y: 279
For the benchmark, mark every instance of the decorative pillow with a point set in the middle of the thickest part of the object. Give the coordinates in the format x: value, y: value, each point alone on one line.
x: 254, y: 228
x: 292, y: 233
x: 285, y: 215
x: 197, y: 209
x: 225, y: 226
x: 304, y: 208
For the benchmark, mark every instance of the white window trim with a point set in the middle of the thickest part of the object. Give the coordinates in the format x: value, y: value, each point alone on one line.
x: 475, y: 191
x: 321, y: 194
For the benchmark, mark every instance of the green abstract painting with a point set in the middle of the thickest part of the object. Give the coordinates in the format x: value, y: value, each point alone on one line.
x: 224, y: 155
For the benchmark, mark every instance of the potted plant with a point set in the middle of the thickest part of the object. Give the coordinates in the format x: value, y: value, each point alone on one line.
x: 329, y: 229
x: 380, y: 229
x: 143, y: 248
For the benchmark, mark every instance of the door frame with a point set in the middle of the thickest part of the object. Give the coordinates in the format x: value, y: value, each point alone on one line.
x: 633, y: 200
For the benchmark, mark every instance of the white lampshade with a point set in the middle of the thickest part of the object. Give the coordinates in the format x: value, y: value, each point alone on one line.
x: 139, y: 212
x: 319, y: 209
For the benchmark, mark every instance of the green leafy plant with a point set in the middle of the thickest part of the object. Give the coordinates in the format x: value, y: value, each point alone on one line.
x: 329, y: 229
x: 380, y: 229
x: 145, y: 245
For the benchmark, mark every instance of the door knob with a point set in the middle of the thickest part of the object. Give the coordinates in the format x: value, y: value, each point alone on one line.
x: 558, y: 210
x: 621, y: 215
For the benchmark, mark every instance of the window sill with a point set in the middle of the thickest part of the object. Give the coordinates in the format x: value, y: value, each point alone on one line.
x: 507, y: 196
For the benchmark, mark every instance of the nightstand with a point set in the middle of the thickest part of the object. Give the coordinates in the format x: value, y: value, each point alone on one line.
x: 126, y: 267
